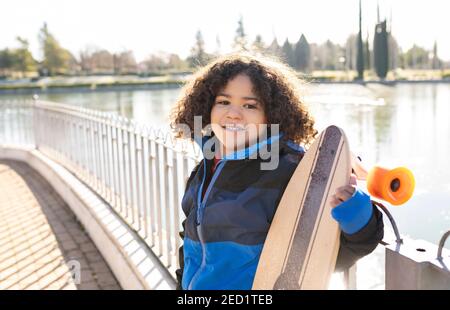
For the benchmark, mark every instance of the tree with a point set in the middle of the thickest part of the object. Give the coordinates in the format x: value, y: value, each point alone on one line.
x: 95, y: 60
x: 6, y: 61
x: 218, y: 46
x: 393, y: 48
x: 154, y: 63
x: 124, y: 63
x: 162, y: 61
x: 175, y: 62
x: 56, y: 59
x: 23, y: 60
x: 331, y: 54
x: 380, y: 50
x: 360, y: 49
x: 274, y: 49
x: 86, y: 64
x: 316, y: 62
x: 416, y: 58
x: 240, y: 39
x: 393, y: 52
x: 103, y: 61
x: 288, y: 53
x: 258, y: 44
x: 435, y: 62
x: 18, y: 59
x: 350, y: 52
x: 325, y: 56
x: 198, y: 55
x: 367, y: 54
x: 302, y: 55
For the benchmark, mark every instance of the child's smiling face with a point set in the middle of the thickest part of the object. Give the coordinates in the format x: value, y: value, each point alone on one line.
x: 237, y: 114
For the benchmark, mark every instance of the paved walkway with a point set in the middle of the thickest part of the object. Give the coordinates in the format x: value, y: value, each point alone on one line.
x: 42, y: 245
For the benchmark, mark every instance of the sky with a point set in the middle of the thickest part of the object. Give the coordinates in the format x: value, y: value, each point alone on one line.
x: 149, y: 26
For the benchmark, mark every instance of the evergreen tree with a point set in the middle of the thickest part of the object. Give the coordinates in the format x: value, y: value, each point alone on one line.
x: 350, y: 52
x: 240, y: 39
x: 258, y: 44
x: 367, y: 55
x: 436, y: 63
x: 24, y: 61
x: 380, y: 50
x: 7, y: 60
x: 198, y: 55
x: 288, y: 53
x: 302, y: 54
x: 274, y: 49
x: 56, y: 59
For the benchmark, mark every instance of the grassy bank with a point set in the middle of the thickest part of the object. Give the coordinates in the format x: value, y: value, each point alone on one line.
x: 370, y: 76
x: 90, y: 83
x: 132, y: 82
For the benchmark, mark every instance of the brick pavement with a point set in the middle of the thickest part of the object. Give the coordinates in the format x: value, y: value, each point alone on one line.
x: 41, y: 242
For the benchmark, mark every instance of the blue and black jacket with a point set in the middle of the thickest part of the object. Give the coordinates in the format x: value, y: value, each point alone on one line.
x: 225, y: 230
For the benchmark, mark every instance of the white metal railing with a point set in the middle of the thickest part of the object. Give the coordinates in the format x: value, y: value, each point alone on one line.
x: 140, y: 171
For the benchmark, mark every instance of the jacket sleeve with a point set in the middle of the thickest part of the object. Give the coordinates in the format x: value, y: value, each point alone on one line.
x: 357, y: 245
x: 179, y: 272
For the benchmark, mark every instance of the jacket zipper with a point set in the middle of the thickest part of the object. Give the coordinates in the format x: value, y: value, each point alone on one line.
x: 201, y: 205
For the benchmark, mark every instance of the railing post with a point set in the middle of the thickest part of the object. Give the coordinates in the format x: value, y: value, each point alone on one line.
x: 160, y: 203
x: 144, y: 183
x: 137, y: 154
x: 151, y: 161
x: 131, y: 170
x: 35, y: 115
x: 126, y: 167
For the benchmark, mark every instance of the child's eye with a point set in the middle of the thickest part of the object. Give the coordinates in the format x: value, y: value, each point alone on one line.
x: 224, y: 102
x: 250, y: 106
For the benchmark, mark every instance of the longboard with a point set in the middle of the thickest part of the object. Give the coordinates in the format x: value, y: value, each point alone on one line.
x: 301, y: 247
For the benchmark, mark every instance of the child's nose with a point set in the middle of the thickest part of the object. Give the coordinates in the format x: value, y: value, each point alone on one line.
x: 233, y: 112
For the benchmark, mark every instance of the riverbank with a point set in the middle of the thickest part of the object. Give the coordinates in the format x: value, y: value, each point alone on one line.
x: 130, y: 83
x: 88, y: 88
x: 90, y: 84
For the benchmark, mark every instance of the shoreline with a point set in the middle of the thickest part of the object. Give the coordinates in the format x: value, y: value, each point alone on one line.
x: 85, y: 87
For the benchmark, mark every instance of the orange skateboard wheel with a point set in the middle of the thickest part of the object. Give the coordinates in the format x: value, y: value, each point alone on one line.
x: 395, y: 186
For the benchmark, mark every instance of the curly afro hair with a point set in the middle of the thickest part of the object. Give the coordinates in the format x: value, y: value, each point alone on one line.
x: 275, y: 84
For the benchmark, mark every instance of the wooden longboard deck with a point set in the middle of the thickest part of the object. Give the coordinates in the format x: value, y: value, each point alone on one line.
x: 303, y: 241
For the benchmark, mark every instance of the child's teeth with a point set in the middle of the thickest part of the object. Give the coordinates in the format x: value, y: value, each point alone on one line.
x: 234, y: 127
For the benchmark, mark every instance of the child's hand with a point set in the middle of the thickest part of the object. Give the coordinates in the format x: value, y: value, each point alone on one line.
x: 344, y: 193
x: 351, y: 207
